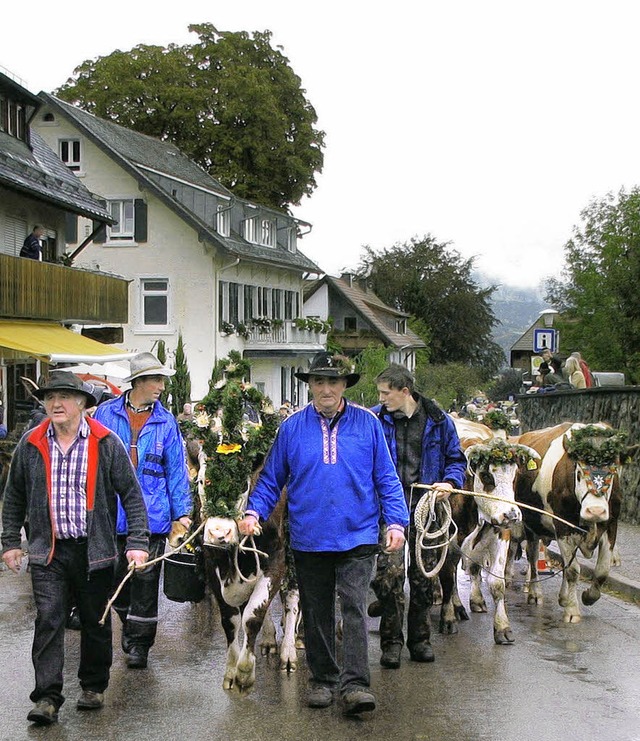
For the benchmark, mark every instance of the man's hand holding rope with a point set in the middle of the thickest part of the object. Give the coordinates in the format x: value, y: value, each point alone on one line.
x: 442, y: 489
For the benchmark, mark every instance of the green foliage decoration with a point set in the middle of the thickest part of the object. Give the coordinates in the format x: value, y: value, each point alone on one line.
x: 496, y: 419
x: 596, y: 446
x: 236, y: 424
x: 499, y: 452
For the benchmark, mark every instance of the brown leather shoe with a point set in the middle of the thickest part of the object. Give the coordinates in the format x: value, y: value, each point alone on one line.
x: 90, y: 700
x: 43, y: 713
x: 358, y: 701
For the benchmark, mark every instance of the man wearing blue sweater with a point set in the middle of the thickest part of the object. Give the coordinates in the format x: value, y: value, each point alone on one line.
x: 333, y: 458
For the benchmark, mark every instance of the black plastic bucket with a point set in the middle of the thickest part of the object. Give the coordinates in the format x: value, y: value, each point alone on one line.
x: 182, y: 582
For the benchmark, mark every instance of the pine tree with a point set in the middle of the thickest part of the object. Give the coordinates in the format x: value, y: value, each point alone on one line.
x: 181, y: 382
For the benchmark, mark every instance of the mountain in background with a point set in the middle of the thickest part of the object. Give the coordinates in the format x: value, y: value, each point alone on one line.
x: 515, y: 308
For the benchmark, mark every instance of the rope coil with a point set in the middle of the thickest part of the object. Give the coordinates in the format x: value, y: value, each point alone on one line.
x: 428, y: 513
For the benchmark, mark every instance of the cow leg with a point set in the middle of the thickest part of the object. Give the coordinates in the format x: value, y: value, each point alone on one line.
x: 230, y: 617
x: 498, y: 548
x: 448, y: 621
x: 534, y: 590
x: 600, y: 573
x: 291, y: 617
x: 568, y: 598
x: 477, y: 602
x: 474, y: 569
x: 252, y: 619
x: 268, y: 640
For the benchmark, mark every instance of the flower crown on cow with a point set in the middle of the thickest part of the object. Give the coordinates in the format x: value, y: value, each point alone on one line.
x: 498, y: 452
x: 596, y: 445
x: 236, y: 425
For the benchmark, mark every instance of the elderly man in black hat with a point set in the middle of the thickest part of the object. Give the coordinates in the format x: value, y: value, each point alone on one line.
x: 65, y: 478
x: 333, y: 458
x: 152, y: 437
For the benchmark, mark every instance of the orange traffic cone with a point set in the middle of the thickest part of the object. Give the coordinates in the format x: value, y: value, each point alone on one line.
x: 543, y: 565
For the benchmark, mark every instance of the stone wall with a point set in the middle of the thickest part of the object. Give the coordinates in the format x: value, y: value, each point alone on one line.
x: 618, y: 406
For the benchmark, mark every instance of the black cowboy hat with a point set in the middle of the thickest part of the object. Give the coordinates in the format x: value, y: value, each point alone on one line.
x: 332, y: 366
x: 66, y: 381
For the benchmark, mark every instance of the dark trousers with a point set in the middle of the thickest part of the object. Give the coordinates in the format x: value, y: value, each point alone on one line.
x: 52, y: 586
x: 320, y: 577
x: 388, y: 585
x: 137, y: 603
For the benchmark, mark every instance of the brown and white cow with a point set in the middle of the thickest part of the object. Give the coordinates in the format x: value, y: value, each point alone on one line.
x: 244, y: 583
x: 483, y: 530
x: 585, y: 495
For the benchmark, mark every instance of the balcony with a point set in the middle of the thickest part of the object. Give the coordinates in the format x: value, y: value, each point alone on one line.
x: 40, y: 290
x: 270, y: 337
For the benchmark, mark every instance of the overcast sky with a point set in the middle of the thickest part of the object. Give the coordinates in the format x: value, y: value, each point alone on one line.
x: 490, y: 125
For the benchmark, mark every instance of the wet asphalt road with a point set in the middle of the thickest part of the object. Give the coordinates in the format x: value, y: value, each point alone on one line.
x: 557, y: 681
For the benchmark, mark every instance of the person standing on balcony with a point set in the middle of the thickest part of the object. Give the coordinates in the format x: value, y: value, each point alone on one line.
x: 152, y: 437
x: 32, y: 246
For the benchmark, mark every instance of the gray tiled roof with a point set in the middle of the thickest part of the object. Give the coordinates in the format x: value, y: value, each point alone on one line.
x: 39, y: 172
x: 135, y: 152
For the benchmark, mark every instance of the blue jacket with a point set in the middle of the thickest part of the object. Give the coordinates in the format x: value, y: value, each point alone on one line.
x: 337, y: 480
x: 442, y: 456
x: 162, y: 466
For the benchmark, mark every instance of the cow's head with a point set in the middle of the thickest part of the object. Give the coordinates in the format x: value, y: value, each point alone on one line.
x: 492, y: 469
x: 596, y: 452
x: 220, y: 532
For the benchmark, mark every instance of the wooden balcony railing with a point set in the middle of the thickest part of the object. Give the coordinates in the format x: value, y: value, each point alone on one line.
x: 30, y: 289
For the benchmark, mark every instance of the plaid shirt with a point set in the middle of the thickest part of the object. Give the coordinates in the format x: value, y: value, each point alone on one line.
x: 69, y: 484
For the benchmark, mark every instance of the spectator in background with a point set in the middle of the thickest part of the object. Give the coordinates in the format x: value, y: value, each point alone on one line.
x: 588, y: 378
x: 574, y: 373
x: 32, y: 246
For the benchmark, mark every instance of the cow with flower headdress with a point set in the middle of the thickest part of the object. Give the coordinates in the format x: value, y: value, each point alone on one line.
x: 230, y: 434
x: 578, y: 482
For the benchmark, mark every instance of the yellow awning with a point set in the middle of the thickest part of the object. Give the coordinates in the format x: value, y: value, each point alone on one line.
x: 53, y: 343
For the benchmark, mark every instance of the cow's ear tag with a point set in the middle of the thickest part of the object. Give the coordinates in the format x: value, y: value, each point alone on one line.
x: 532, y: 465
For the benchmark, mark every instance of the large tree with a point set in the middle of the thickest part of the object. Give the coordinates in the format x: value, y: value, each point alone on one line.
x: 434, y: 283
x: 231, y: 102
x: 598, y: 294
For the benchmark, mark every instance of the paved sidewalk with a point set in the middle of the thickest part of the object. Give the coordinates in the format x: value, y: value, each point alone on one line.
x: 626, y: 577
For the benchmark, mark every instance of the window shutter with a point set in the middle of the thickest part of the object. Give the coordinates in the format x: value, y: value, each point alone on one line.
x: 100, y: 236
x: 71, y: 228
x: 140, y: 227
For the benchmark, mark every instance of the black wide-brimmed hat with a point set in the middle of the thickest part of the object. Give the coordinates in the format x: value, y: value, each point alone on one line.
x: 66, y: 381
x: 332, y: 366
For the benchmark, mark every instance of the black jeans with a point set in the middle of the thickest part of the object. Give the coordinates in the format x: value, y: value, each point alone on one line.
x: 137, y: 603
x: 321, y: 576
x: 52, y: 586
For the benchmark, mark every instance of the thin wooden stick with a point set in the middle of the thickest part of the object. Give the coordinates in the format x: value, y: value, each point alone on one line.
x: 133, y: 567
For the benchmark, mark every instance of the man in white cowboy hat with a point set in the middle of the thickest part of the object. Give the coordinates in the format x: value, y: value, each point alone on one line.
x: 152, y: 437
x: 333, y: 458
x: 65, y: 478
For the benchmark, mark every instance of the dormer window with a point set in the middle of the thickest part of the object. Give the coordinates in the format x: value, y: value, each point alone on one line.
x: 268, y: 233
x: 70, y: 153
x: 292, y: 238
x: 249, y: 227
x: 13, y: 118
x: 401, y: 326
x: 223, y: 220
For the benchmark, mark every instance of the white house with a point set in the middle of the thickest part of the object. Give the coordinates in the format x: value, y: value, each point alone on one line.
x: 225, y: 273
